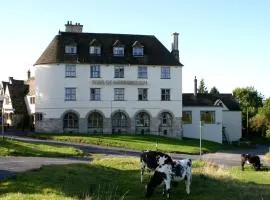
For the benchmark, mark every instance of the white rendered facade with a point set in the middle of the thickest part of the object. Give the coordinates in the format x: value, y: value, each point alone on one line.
x: 51, y: 82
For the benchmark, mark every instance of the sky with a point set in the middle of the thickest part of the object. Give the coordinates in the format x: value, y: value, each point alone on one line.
x: 224, y: 42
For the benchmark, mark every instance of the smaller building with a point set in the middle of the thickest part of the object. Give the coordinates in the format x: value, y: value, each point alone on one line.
x: 216, y: 116
x: 14, y: 106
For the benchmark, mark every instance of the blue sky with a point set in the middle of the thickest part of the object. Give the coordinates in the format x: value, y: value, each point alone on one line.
x: 225, y: 42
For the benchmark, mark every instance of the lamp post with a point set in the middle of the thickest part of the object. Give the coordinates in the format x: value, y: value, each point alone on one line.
x: 2, y: 122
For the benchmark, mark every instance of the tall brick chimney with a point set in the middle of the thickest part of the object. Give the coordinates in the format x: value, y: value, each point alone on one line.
x: 75, y: 28
x: 175, y: 50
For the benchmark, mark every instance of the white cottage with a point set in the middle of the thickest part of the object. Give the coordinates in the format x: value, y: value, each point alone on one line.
x: 219, y: 114
x: 108, y: 83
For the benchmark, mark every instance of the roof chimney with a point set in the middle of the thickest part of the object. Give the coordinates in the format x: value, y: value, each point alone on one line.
x: 28, y: 74
x: 75, y: 28
x: 175, y: 50
x: 195, y: 86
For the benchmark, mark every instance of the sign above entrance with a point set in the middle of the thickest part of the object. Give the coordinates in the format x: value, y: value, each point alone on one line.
x: 119, y: 82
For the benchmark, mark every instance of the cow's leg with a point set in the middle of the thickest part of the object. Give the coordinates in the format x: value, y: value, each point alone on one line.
x: 167, y: 182
x: 142, y: 170
x: 187, y: 183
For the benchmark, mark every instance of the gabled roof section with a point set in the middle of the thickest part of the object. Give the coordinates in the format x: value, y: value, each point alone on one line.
x: 189, y: 99
x: 117, y: 43
x: 18, y: 90
x: 137, y: 44
x: 155, y: 53
x: 94, y: 42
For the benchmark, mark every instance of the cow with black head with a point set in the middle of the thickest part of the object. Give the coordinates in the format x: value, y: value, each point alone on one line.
x: 254, y: 160
x: 150, y: 160
x: 172, y: 172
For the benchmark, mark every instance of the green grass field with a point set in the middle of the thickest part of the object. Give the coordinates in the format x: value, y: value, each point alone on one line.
x: 17, y: 148
x: 112, y: 178
x: 139, y: 142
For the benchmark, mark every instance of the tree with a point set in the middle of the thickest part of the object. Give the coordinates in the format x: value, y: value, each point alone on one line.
x: 202, y: 88
x: 214, y: 90
x: 250, y: 101
x: 261, y: 121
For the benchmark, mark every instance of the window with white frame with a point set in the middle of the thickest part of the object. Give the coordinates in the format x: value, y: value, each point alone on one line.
x: 95, y: 50
x: 95, y: 94
x: 71, y: 49
x: 119, y: 94
x: 165, y: 94
x: 118, y: 51
x: 32, y: 100
x: 208, y: 117
x: 95, y: 71
x: 70, y: 94
x: 70, y: 70
x: 142, y: 72
x: 142, y: 94
x: 38, y: 116
x: 118, y: 72
x: 137, y: 51
x: 165, y: 73
x: 187, y: 117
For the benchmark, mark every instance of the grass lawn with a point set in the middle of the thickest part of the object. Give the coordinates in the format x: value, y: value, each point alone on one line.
x: 112, y: 178
x: 139, y: 142
x: 18, y: 148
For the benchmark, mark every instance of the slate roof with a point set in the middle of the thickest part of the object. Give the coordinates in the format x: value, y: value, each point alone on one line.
x: 18, y: 90
x: 155, y: 53
x: 209, y: 100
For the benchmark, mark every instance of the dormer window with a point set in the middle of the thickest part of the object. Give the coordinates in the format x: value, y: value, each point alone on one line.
x: 94, y: 47
x: 137, y: 49
x: 94, y: 50
x: 118, y: 49
x: 71, y: 49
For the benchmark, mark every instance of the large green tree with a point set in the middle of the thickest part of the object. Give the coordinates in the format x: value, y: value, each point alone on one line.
x: 202, y: 88
x: 261, y: 121
x: 250, y: 101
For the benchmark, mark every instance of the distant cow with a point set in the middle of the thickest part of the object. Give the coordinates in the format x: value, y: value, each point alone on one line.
x: 153, y: 159
x: 254, y: 160
x: 171, y: 172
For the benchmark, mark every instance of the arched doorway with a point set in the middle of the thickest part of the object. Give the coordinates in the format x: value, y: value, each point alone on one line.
x: 120, y: 122
x: 95, y: 123
x: 166, y: 123
x: 142, y: 122
x: 70, y: 122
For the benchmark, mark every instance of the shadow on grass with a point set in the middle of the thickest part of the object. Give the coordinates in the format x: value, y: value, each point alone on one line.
x: 78, y: 181
x: 17, y: 148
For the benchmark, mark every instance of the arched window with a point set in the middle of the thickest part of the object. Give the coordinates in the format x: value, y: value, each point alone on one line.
x: 95, y: 120
x: 119, y: 119
x: 166, y: 119
x: 142, y: 119
x: 71, y: 120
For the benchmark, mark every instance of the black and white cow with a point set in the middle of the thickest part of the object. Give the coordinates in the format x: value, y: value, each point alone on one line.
x: 254, y: 160
x: 172, y: 172
x: 150, y: 160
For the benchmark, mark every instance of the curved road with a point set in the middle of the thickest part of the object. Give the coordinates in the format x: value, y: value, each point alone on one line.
x: 9, y: 166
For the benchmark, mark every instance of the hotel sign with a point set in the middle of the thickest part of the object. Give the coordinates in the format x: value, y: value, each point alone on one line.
x: 119, y: 82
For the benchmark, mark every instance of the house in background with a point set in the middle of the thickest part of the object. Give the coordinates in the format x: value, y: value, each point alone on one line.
x: 220, y: 115
x: 108, y: 83
x: 14, y: 105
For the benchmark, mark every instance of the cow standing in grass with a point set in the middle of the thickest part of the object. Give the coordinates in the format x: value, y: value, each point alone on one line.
x: 165, y: 171
x: 150, y: 160
x: 254, y: 160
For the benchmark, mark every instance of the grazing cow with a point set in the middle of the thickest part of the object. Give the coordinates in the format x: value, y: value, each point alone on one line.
x: 251, y: 159
x: 153, y: 159
x: 167, y: 173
